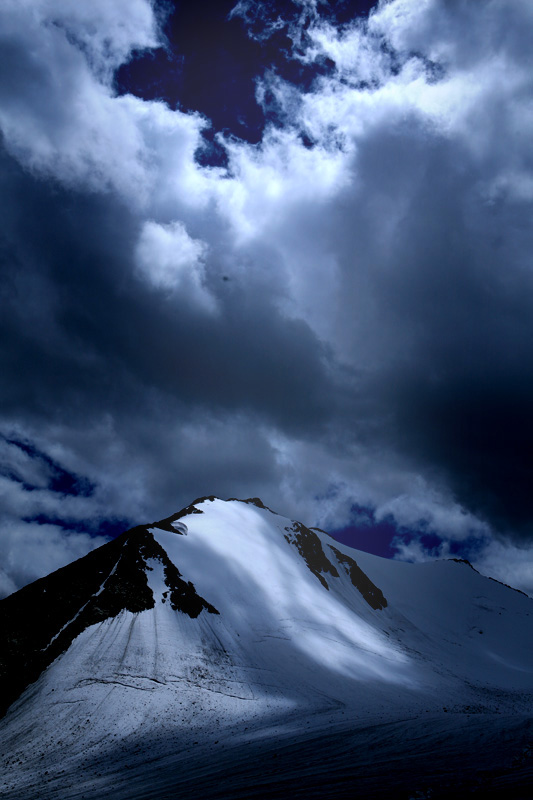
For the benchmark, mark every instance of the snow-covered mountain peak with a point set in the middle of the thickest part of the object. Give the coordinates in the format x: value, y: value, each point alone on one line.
x: 227, y: 616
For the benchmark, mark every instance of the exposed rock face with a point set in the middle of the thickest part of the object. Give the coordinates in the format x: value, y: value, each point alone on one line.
x: 183, y: 595
x: 254, y: 501
x: 166, y: 524
x: 373, y: 596
x: 310, y: 548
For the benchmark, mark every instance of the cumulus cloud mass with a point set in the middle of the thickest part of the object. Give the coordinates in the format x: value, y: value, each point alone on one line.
x: 334, y: 317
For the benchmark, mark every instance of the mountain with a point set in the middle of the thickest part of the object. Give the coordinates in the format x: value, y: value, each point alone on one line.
x: 229, y: 652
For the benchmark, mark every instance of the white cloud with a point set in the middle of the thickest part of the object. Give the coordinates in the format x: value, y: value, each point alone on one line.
x: 423, y: 506
x: 59, y: 113
x: 272, y: 182
x: 415, y: 552
x: 107, y: 32
x: 169, y: 259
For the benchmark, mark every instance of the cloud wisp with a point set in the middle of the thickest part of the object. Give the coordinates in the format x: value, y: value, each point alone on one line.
x: 335, y: 316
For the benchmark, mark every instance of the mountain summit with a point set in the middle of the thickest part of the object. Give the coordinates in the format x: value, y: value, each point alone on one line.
x: 227, y: 651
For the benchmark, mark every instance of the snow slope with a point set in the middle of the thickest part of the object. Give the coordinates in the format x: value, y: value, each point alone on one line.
x: 267, y: 657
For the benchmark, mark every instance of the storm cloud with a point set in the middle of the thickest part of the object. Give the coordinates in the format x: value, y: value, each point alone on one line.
x: 338, y: 316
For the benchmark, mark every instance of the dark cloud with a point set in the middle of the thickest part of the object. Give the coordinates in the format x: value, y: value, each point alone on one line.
x: 446, y: 333
x: 58, y: 479
x: 457, y: 298
x: 91, y: 335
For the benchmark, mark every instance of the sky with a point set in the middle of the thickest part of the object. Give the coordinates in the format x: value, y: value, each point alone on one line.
x: 276, y: 249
